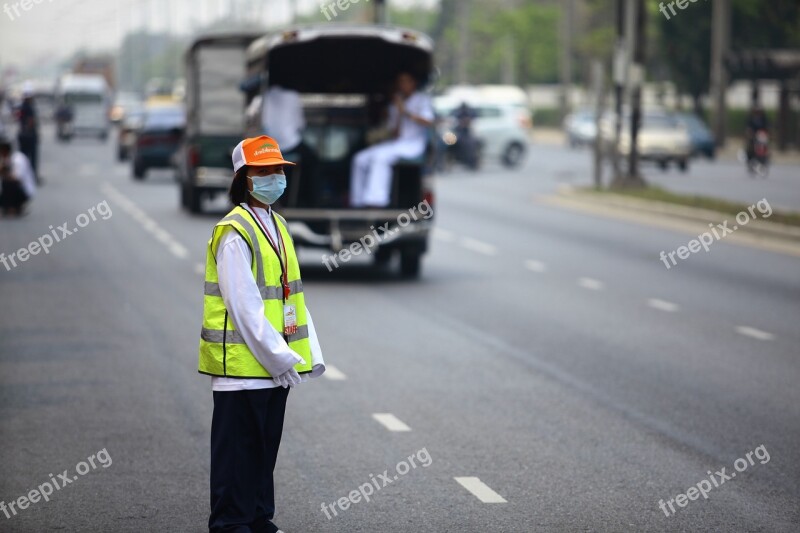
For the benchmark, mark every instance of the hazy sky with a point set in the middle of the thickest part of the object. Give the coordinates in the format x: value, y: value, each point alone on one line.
x: 52, y: 29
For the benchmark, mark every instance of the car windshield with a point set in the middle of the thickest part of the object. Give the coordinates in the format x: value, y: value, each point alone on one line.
x: 693, y: 122
x: 584, y: 116
x: 83, y: 98
x: 662, y: 122
x: 164, y: 118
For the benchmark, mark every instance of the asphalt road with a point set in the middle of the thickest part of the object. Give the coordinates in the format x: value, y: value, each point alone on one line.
x: 548, y: 353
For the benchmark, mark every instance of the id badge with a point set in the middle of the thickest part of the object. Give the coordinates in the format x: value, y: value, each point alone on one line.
x: 289, y: 319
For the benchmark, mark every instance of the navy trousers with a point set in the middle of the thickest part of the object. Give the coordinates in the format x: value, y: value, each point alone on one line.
x: 246, y: 432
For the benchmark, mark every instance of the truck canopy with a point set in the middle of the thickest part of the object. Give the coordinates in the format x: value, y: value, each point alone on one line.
x: 341, y: 58
x: 83, y: 83
x: 215, y: 65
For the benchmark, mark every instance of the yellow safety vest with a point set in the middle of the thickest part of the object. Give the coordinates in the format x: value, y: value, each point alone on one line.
x: 223, y: 351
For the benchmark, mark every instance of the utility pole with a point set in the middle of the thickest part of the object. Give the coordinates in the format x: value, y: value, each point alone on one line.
x: 599, y: 90
x: 636, y: 80
x: 720, y: 41
x: 565, y: 63
x: 629, y: 74
x: 462, y: 56
x: 380, y: 12
x: 620, y: 68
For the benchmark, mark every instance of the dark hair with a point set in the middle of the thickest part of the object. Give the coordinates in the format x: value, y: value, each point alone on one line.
x: 238, y: 192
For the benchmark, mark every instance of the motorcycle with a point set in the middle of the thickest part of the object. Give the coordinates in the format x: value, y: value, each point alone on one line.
x: 460, y: 146
x: 64, y: 126
x: 758, y: 155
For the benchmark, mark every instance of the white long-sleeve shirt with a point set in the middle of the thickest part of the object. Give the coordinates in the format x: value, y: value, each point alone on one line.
x: 282, y: 117
x: 22, y: 170
x: 246, y: 309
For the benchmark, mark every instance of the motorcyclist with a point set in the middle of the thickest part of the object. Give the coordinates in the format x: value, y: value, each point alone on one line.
x: 756, y: 121
x: 467, y: 145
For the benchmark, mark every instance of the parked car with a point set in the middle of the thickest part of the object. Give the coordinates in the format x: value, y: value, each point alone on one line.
x: 501, y: 128
x: 131, y: 122
x: 157, y: 139
x: 580, y: 127
x: 661, y: 139
x: 702, y: 140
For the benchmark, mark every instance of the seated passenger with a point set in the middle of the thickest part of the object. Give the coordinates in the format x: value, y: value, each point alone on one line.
x: 409, y: 117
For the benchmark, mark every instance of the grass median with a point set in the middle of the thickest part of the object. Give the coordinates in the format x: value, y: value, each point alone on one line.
x: 657, y: 194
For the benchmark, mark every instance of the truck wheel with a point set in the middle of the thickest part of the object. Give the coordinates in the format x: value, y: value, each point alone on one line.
x: 410, y: 263
x: 184, y: 196
x: 193, y: 200
x: 382, y: 257
x: 139, y: 171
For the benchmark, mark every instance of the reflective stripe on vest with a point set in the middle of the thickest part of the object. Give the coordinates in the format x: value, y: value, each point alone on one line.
x: 223, y: 351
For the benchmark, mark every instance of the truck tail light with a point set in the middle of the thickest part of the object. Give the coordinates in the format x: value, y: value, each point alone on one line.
x: 194, y: 156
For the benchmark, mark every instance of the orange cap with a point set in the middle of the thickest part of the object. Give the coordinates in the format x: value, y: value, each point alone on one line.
x: 258, y: 152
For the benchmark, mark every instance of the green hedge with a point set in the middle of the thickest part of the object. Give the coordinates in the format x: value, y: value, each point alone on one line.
x: 546, y: 117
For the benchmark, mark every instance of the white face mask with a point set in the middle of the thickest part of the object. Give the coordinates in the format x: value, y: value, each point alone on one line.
x: 267, y: 189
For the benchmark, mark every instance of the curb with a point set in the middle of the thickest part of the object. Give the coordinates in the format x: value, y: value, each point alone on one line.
x: 759, y: 226
x: 729, y: 153
x: 757, y: 233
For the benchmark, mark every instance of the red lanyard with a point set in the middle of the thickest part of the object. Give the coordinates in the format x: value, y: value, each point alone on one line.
x: 284, y: 261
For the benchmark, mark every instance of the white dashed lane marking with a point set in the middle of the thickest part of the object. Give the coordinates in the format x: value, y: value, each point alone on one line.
x: 478, y: 246
x: 443, y: 235
x: 754, y: 333
x: 535, y: 266
x: 591, y: 284
x: 662, y: 305
x: 480, y: 490
x: 390, y: 422
x: 333, y: 373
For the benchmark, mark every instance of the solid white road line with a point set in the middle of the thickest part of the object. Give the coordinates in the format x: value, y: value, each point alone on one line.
x: 755, y: 333
x: 391, y: 422
x: 149, y: 225
x: 478, y: 246
x: 591, y: 284
x: 480, y: 490
x: 662, y: 305
x: 535, y: 266
x: 333, y: 373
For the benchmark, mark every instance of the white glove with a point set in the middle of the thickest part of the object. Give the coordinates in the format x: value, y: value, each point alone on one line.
x: 290, y: 378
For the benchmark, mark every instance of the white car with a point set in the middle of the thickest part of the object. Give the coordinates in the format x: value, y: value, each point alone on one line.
x: 661, y: 139
x: 503, y: 129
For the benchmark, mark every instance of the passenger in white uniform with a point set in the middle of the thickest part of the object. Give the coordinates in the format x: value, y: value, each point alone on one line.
x: 410, y: 117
